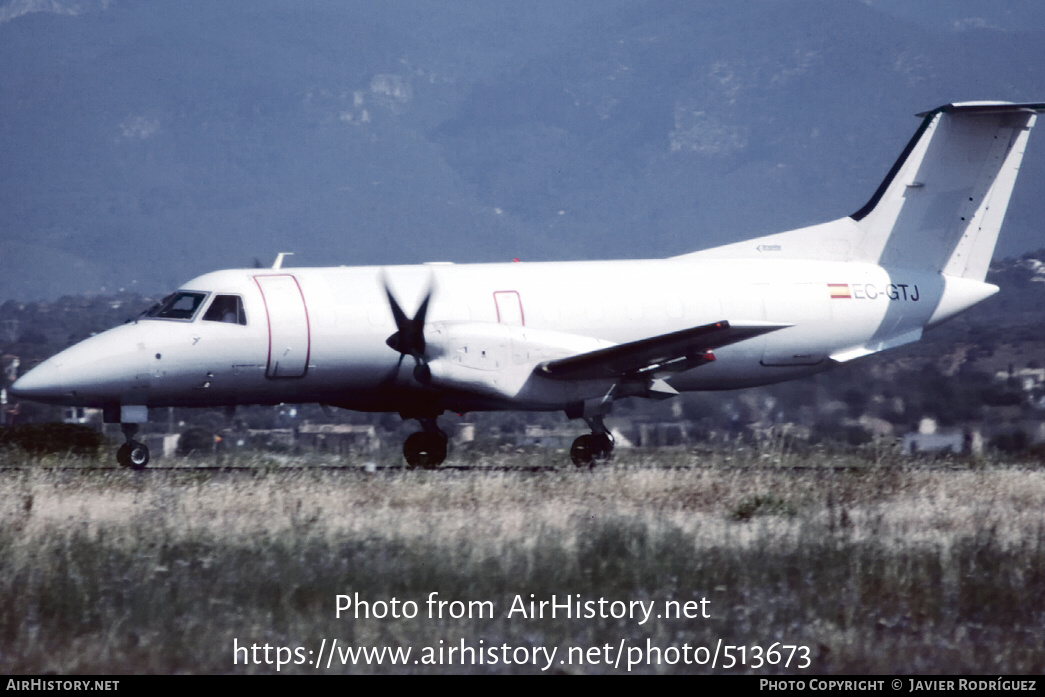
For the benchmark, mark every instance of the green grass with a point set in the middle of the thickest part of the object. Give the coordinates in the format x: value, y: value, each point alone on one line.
x: 877, y: 568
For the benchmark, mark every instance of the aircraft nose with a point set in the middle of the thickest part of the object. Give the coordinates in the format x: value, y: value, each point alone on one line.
x: 45, y: 382
x: 96, y: 370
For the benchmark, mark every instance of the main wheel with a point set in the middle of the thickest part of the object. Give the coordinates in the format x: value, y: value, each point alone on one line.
x: 584, y: 450
x: 424, y: 449
x: 591, y: 448
x: 133, y: 454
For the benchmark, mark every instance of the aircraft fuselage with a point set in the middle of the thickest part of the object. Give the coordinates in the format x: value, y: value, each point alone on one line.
x: 319, y: 334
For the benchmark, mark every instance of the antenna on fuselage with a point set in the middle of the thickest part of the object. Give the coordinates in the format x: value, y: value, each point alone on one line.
x: 278, y: 264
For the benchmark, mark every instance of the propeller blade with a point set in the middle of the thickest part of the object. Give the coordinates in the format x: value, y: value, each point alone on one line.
x: 393, y: 373
x: 397, y: 311
x: 409, y: 337
x: 422, y: 311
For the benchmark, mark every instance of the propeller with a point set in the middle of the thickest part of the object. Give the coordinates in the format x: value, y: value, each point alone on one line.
x: 409, y: 337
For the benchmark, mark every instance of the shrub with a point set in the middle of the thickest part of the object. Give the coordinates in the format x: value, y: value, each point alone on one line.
x: 196, y: 440
x: 52, y: 438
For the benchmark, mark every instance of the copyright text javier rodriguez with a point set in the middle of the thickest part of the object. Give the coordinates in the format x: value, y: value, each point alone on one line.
x: 899, y: 684
x: 627, y: 654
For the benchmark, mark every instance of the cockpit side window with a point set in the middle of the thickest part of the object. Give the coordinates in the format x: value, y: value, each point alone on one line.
x: 226, y: 308
x: 182, y: 305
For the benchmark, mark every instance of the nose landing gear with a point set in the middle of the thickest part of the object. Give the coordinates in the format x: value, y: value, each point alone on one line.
x: 132, y: 454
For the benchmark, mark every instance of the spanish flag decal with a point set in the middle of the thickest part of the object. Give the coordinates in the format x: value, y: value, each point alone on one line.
x: 839, y: 291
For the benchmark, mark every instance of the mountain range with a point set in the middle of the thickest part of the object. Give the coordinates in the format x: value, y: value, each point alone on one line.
x: 146, y: 142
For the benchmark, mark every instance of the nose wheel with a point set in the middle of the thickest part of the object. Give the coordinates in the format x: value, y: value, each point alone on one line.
x: 133, y: 454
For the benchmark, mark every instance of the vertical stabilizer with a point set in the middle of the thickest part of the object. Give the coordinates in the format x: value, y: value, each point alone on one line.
x: 941, y: 206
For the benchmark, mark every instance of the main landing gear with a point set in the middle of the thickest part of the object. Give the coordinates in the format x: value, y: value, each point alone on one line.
x: 593, y: 447
x: 132, y: 453
x: 427, y: 448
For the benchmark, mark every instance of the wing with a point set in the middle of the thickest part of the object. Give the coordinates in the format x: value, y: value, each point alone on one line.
x: 667, y: 353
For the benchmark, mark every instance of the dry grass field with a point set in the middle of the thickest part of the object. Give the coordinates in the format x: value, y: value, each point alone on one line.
x: 873, y: 565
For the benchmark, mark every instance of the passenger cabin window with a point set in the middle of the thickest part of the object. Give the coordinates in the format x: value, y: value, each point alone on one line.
x: 182, y: 305
x: 226, y: 308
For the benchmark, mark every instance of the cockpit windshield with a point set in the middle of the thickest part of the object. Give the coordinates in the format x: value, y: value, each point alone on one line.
x: 181, y: 305
x: 226, y: 308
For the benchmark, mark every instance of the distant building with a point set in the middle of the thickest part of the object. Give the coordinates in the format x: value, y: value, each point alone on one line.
x: 271, y: 437
x: 954, y: 441
x: 81, y: 415
x: 338, y: 438
x: 1026, y: 379
x: 538, y: 436
x: 161, y: 445
x: 661, y: 434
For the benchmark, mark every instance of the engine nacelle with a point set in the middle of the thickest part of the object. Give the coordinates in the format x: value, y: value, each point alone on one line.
x: 499, y: 359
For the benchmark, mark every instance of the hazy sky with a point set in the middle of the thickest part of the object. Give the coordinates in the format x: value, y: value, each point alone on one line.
x: 146, y: 142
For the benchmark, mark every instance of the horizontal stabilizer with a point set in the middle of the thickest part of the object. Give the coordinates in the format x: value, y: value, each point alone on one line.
x: 667, y: 353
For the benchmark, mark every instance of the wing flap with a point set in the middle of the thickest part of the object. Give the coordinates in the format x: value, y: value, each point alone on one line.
x: 666, y: 353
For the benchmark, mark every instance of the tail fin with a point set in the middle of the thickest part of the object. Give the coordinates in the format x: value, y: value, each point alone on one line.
x: 941, y: 205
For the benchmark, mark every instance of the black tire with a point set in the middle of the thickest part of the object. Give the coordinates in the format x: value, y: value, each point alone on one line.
x: 425, y: 450
x: 603, y: 445
x: 583, y: 450
x: 133, y: 454
x: 590, y: 449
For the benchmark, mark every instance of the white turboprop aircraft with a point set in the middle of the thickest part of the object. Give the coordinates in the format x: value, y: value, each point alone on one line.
x: 571, y: 336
